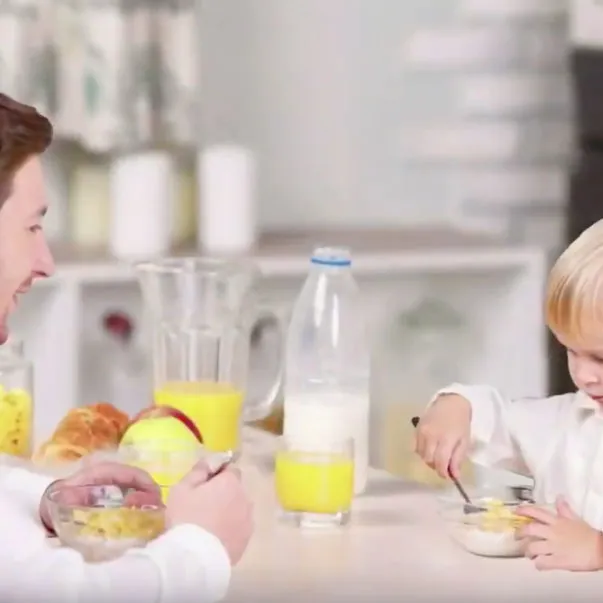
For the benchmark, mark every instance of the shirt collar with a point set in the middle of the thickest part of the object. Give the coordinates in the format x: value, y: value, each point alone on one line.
x: 585, y: 402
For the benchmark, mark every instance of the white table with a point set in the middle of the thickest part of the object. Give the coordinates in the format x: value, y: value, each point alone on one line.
x: 395, y: 549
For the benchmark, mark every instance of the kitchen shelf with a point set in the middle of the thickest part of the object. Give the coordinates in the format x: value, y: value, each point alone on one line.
x: 286, y: 254
x: 503, y: 286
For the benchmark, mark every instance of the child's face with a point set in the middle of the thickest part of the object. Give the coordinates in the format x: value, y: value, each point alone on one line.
x: 585, y: 362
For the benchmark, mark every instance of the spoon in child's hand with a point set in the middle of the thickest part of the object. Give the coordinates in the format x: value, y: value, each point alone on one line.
x: 469, y: 506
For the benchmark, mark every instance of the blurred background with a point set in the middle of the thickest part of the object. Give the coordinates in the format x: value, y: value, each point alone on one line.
x: 453, y: 144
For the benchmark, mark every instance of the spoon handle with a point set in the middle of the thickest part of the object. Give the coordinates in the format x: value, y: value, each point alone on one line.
x: 460, y: 488
x: 220, y: 463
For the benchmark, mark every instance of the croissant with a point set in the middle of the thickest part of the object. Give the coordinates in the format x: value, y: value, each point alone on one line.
x: 82, y: 431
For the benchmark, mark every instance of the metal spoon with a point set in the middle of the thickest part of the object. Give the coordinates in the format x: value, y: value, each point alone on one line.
x: 217, y: 463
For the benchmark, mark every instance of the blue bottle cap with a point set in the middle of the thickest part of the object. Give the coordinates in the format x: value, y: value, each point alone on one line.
x: 331, y: 256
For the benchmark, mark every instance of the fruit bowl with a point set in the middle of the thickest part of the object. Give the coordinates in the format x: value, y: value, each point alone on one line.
x: 104, y: 521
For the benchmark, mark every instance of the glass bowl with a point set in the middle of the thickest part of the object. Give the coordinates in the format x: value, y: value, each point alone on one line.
x: 104, y: 521
x: 491, y: 533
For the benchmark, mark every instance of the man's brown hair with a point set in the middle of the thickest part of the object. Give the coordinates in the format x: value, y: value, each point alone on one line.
x: 23, y: 133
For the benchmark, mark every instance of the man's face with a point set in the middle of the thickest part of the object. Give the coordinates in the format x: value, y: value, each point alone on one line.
x: 24, y: 253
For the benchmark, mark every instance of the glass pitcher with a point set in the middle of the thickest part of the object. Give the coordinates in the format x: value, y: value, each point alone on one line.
x: 16, y: 400
x: 420, y: 356
x: 202, y: 313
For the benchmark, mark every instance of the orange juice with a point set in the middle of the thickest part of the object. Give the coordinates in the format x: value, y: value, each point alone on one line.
x: 214, y: 407
x: 314, y: 482
x: 165, y: 479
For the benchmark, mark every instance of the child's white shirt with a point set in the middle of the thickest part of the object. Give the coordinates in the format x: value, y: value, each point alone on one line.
x: 558, y: 441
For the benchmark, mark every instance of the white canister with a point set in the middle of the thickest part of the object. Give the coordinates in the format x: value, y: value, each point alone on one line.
x: 89, y: 203
x: 56, y: 175
x: 226, y: 212
x: 142, y: 193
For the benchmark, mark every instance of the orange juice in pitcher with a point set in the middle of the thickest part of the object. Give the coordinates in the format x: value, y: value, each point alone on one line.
x: 215, y: 408
x: 202, y: 314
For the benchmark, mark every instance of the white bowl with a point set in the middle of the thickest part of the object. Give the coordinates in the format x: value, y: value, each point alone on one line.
x: 499, y: 540
x: 466, y: 531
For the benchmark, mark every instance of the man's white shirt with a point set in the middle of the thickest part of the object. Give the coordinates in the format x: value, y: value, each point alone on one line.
x: 183, y: 565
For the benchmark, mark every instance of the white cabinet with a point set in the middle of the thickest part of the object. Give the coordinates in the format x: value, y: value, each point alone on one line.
x: 498, y: 290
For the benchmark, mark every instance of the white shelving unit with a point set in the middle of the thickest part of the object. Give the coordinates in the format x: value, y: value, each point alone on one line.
x: 500, y: 287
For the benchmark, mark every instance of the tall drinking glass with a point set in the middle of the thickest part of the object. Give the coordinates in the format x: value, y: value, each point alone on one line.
x: 202, y: 312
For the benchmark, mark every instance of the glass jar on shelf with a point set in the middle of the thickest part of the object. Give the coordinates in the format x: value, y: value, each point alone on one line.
x: 126, y: 371
x: 16, y: 400
x: 424, y: 350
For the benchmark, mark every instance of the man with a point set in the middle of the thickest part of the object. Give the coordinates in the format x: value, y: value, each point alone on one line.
x: 209, y: 521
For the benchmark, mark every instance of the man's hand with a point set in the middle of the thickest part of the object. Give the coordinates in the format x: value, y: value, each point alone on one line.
x: 107, y: 473
x: 219, y: 506
x: 561, y: 540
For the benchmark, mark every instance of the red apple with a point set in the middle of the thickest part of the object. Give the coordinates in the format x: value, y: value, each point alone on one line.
x: 156, y: 412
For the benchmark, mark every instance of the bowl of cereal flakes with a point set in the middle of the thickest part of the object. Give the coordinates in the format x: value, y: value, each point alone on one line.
x: 490, y: 529
x: 104, y: 521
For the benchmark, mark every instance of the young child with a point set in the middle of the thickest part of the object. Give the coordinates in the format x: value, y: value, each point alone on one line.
x: 558, y: 441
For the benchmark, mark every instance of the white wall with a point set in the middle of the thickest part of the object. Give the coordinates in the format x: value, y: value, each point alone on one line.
x: 383, y: 112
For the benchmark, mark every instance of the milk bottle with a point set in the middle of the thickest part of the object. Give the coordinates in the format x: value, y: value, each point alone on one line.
x: 328, y: 361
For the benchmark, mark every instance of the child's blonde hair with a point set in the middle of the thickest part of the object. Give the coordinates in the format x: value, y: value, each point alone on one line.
x: 574, y: 297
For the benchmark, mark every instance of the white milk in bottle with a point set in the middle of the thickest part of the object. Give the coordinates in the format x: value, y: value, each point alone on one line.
x: 328, y: 361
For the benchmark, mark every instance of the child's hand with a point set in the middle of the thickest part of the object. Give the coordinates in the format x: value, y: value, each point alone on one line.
x: 443, y: 434
x: 562, y: 540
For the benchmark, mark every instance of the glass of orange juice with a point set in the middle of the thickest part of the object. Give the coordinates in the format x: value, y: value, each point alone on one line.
x: 315, y: 481
x: 166, y: 461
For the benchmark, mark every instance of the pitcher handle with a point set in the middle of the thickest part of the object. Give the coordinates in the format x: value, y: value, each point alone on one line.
x: 258, y: 409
